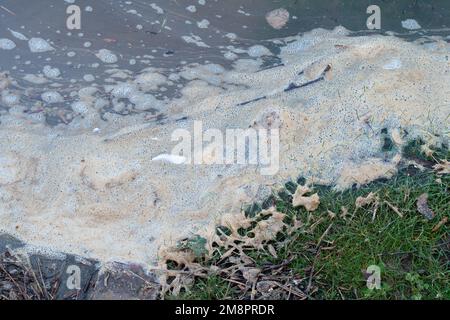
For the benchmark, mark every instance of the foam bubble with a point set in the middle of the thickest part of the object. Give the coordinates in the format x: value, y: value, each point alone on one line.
x: 38, y: 45
x: 7, y: 44
x: 107, y: 56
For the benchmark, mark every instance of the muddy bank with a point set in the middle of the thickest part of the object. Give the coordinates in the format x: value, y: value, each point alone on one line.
x: 68, y: 277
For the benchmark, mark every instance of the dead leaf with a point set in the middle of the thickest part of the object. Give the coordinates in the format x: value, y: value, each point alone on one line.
x: 371, y: 198
x: 422, y: 207
x: 427, y: 150
x: 272, y: 251
x: 344, y: 212
x: 310, y: 203
x: 331, y: 214
x: 442, y: 168
x: 251, y: 274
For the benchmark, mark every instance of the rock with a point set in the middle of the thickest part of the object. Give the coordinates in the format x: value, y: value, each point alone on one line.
x: 119, y: 281
x: 72, y: 274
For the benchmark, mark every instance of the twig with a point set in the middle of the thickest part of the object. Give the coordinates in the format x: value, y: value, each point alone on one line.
x: 395, y: 209
x: 295, y: 292
x: 43, y: 282
x: 7, y: 10
x: 251, y: 101
x: 308, y: 288
x: 271, y: 67
x: 324, y: 235
x: 292, y: 86
x: 24, y: 294
x: 284, y: 263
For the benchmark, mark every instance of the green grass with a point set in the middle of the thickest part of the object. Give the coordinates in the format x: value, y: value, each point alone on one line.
x: 414, y: 259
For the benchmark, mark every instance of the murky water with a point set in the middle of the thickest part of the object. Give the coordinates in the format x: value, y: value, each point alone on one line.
x: 150, y: 34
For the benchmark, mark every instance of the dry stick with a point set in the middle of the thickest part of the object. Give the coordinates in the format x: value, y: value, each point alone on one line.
x: 271, y: 67
x: 375, y: 212
x: 395, y: 209
x: 294, y: 86
x: 324, y: 234
x: 291, y: 86
x: 295, y: 292
x: 7, y: 10
x: 236, y: 282
x: 251, y: 101
x: 24, y: 294
x: 43, y: 282
x: 315, y: 224
x: 440, y: 224
x: 253, y: 293
x: 308, y: 288
x: 284, y: 263
x: 30, y: 269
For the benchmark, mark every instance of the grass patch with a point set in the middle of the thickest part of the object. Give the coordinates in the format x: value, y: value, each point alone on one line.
x: 328, y: 256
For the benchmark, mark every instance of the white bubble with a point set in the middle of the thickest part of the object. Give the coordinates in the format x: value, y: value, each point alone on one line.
x: 107, y: 56
x: 38, y: 45
x: 7, y: 44
x: 411, y: 24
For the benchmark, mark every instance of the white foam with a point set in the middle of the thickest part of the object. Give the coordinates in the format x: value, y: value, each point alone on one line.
x: 258, y: 51
x: 50, y: 72
x: 52, y: 97
x: 18, y: 35
x: 204, y: 24
x: 38, y: 45
x: 7, y: 44
x: 393, y: 64
x: 105, y: 187
x: 107, y: 56
x: 170, y: 158
x: 411, y: 24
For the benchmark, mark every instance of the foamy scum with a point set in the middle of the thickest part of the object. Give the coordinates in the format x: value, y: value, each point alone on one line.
x: 91, y: 188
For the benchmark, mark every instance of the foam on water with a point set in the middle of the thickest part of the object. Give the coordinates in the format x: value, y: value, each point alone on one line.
x: 107, y: 56
x: 102, y: 182
x: 39, y: 45
x: 7, y: 44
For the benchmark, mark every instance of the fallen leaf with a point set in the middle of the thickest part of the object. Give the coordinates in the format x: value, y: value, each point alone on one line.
x: 371, y: 198
x: 251, y: 274
x: 442, y: 168
x: 310, y: 203
x: 422, y: 207
x: 427, y: 150
x: 272, y: 251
